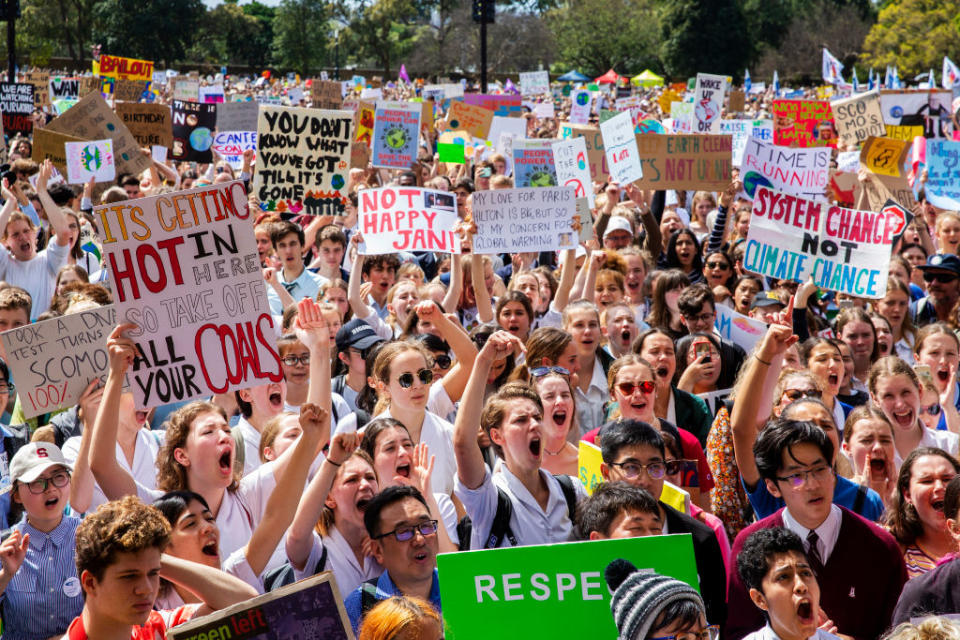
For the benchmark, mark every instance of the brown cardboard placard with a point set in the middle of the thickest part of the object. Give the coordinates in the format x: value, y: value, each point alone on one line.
x: 326, y: 94
x: 128, y: 90
x: 149, y: 123
x: 50, y: 144
x: 470, y: 118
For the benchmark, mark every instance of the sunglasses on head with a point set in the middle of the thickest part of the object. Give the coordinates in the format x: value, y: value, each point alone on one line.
x: 930, y: 276
x: 406, y: 379
x: 796, y: 394
x: 627, y: 388
x: 539, y: 372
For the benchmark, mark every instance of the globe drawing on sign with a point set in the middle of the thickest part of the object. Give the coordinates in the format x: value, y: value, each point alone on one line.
x: 752, y: 180
x: 583, y: 98
x: 542, y: 178
x: 90, y: 158
x: 201, y: 139
x: 396, y: 138
x: 581, y: 161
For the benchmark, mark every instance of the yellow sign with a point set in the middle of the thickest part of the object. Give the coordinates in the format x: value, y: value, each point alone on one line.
x: 908, y: 133
x: 884, y: 156
x: 667, y: 98
x: 589, y: 460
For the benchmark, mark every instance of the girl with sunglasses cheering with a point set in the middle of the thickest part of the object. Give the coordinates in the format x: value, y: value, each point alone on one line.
x: 937, y: 347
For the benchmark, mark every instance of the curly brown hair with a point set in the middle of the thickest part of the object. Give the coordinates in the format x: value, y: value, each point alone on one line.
x: 122, y: 526
x: 327, y: 517
x: 495, y: 410
x: 171, y: 475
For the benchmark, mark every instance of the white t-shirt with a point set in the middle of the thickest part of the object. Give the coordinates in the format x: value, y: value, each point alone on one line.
x: 38, y: 276
x: 143, y: 470
x: 437, y: 433
x: 341, y: 560
x: 767, y: 633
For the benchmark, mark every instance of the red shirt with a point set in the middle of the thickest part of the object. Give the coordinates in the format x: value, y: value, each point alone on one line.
x: 155, y: 628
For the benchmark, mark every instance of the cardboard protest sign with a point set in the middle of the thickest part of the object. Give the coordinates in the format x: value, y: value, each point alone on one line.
x: 739, y: 329
x: 534, y: 83
x: 306, y: 610
x: 128, y: 90
x: 90, y: 159
x: 64, y: 88
x: 396, y: 132
x: 848, y: 161
x: 620, y: 146
x: 513, y: 220
x: 210, y: 94
x: 187, y: 90
x: 16, y: 105
x: 881, y: 188
x: 596, y: 158
x: 533, y: 163
x: 907, y: 133
x: 843, y: 250
x: 798, y: 171
x: 708, y: 102
x: 303, y: 160
x: 858, y: 117
x: 544, y: 110
x: 126, y: 68
x: 193, y: 125
x: 48, y: 144
x: 231, y: 145
x: 573, y: 168
x: 580, y: 102
x: 466, y: 117
x: 237, y: 116
x: 326, y: 94
x: 735, y: 101
x: 803, y: 123
x: 53, y: 361
x: 503, y: 105
x: 92, y: 119
x: 41, y: 87
x: 549, y: 591
x: 149, y: 123
x: 929, y: 110
x: 885, y: 156
x: 185, y: 269
x: 88, y: 85
x: 743, y: 130
x: 943, y: 174
x: 396, y: 219
x: 589, y: 459
x: 684, y: 161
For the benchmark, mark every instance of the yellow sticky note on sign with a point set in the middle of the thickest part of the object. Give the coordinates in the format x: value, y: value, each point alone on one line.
x: 884, y: 156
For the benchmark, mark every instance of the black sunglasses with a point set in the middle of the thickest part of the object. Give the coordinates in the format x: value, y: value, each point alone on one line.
x: 930, y: 276
x: 442, y: 361
x: 406, y: 379
x: 539, y: 372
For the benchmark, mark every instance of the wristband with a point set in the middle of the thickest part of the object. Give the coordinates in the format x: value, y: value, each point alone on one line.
x: 336, y: 464
x: 760, y: 360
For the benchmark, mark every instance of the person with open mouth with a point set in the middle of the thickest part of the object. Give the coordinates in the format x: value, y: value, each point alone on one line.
x: 938, y: 348
x: 774, y: 566
x: 916, y: 518
x: 559, y: 421
x: 824, y: 360
x: 619, y: 328
x: 868, y: 444
x: 542, y: 505
x: 896, y: 389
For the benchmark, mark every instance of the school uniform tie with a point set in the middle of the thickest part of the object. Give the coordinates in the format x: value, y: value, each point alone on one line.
x: 813, y: 553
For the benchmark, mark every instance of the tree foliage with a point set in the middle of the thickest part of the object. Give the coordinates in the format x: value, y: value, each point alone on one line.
x: 300, y: 34
x: 380, y: 30
x: 158, y: 30
x: 700, y: 35
x: 915, y: 35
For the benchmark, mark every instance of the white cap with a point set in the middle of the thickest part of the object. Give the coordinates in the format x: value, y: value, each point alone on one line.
x: 618, y: 223
x: 35, y: 458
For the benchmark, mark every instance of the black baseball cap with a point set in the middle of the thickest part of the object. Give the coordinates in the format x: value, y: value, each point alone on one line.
x: 942, y: 262
x: 356, y: 334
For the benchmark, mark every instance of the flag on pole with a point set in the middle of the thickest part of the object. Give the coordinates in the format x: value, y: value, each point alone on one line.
x: 403, y: 74
x: 746, y: 81
x: 509, y: 87
x: 950, y: 73
x: 888, y: 78
x: 871, y: 81
x: 896, y: 78
x: 856, y: 82
x: 932, y: 80
x: 831, y: 68
x: 776, y: 84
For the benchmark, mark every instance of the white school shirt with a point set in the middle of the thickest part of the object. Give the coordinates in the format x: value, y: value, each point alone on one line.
x: 144, y: 469
x: 767, y: 633
x: 590, y: 404
x: 38, y: 276
x: 437, y: 434
x: 236, y: 565
x: 341, y: 560
x: 240, y: 511
x: 946, y: 440
x: 827, y: 533
x: 251, y: 445
x: 529, y: 523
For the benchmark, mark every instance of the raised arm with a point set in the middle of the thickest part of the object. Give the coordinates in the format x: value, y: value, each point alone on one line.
x: 593, y: 263
x: 282, y: 504
x: 360, y: 308
x: 452, y: 297
x: 114, y: 480
x: 718, y: 232
x: 471, y: 467
x: 480, y: 293
x: 313, y: 332
x: 58, y: 221
x: 568, y: 271
x: 270, y: 276
x: 215, y: 588
x: 460, y: 343
x: 653, y: 241
x: 300, y: 534
x: 81, y: 481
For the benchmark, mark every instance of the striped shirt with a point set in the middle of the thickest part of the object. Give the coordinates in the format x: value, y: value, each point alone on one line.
x: 45, y: 594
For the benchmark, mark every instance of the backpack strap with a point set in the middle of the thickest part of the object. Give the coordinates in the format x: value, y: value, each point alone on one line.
x: 368, y: 596
x: 500, y: 528
x: 338, y: 384
x: 322, y: 562
x: 860, y: 500
x: 240, y: 451
x: 569, y: 493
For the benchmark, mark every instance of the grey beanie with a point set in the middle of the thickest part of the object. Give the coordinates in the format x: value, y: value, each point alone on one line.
x: 640, y: 596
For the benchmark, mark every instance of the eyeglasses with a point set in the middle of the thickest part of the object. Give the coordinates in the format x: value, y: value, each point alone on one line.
x: 930, y: 276
x: 796, y: 394
x: 7, y: 387
x: 632, y: 469
x: 38, y: 486
x: 933, y: 410
x: 442, y: 361
x: 403, y: 534
x: 717, y: 265
x: 628, y: 388
x: 291, y: 361
x: 406, y: 379
x: 539, y: 372
x: 799, y: 479
x: 363, y: 353
x: 710, y: 633
x: 703, y: 317
x: 221, y: 169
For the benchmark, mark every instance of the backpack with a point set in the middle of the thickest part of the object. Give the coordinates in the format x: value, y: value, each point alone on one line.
x: 283, y: 575
x: 500, y: 529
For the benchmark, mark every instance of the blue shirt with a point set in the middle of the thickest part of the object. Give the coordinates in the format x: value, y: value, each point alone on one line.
x: 44, y: 595
x: 306, y: 285
x: 385, y: 589
x: 844, y: 494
